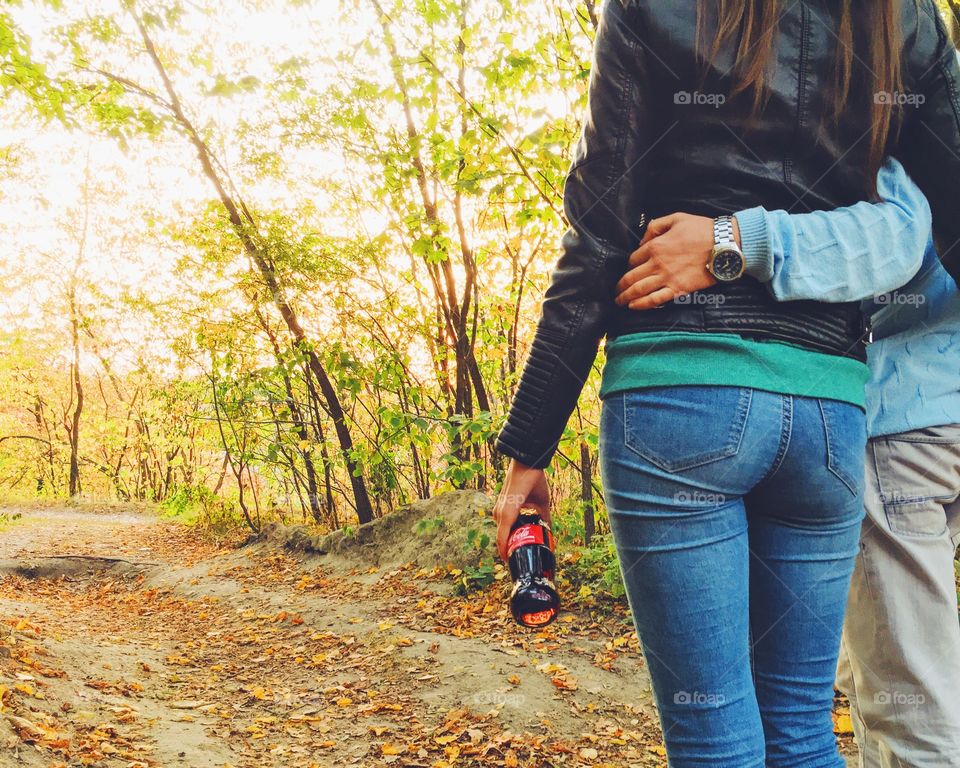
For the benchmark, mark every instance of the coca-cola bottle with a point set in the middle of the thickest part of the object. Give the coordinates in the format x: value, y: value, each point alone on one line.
x: 534, y: 601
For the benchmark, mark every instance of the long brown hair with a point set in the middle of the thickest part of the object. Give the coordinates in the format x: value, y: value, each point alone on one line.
x: 753, y: 24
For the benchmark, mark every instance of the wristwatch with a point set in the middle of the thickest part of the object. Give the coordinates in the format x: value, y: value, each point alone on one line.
x: 726, y: 261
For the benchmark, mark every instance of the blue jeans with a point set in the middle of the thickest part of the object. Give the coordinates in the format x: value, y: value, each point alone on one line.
x: 736, y: 518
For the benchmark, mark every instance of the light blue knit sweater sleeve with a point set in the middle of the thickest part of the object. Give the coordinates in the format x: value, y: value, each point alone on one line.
x: 846, y: 254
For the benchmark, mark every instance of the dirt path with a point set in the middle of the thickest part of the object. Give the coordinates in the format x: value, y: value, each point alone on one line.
x: 128, y: 641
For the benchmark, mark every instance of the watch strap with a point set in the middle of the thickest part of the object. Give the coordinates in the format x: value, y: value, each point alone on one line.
x: 723, y: 230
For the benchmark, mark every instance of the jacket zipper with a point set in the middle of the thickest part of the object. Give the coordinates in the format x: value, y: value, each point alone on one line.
x: 801, y: 88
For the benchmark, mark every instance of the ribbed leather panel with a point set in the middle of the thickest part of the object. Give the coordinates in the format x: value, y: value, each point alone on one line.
x: 748, y: 309
x: 545, y: 380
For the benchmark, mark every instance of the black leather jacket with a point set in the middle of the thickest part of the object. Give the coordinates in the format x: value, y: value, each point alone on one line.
x: 655, y: 142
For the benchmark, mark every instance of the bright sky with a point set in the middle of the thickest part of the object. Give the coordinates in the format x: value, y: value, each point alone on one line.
x: 42, y: 199
x: 41, y: 202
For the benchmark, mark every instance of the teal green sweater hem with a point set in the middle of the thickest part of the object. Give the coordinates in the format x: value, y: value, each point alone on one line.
x: 642, y: 360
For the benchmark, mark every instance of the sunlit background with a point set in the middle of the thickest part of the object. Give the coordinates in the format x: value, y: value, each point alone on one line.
x: 398, y: 163
x: 280, y: 258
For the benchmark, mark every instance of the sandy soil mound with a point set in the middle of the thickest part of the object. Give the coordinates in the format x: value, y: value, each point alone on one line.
x: 432, y: 532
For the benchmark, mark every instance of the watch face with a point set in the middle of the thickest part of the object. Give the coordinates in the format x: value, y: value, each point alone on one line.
x: 727, y: 264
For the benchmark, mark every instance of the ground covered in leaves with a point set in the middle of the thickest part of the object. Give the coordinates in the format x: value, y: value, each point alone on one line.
x: 130, y: 641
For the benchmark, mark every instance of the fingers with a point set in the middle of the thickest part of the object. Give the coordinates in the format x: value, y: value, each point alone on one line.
x: 641, y: 257
x: 523, y: 487
x: 545, y: 514
x: 653, y: 300
x: 641, y: 288
x: 506, y: 513
x: 669, y: 262
x: 658, y: 227
x: 647, y: 269
x: 539, y: 497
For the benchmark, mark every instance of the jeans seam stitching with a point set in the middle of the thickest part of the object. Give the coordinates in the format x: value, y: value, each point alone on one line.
x: 828, y: 432
x: 786, y: 432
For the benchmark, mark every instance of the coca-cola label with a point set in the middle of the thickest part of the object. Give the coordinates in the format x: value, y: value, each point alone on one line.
x: 524, y: 535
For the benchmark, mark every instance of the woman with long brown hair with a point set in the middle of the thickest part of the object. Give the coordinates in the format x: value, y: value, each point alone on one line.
x: 732, y: 432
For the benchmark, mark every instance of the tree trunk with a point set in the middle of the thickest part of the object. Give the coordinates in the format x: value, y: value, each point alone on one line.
x: 299, y: 422
x: 586, y: 490
x: 38, y: 418
x: 77, y: 385
x: 244, y: 227
x: 453, y: 309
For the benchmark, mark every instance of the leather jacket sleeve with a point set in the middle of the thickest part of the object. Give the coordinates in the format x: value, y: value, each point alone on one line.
x: 929, y: 144
x: 603, y: 202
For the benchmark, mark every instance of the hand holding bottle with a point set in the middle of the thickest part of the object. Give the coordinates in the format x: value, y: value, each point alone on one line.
x: 523, y: 487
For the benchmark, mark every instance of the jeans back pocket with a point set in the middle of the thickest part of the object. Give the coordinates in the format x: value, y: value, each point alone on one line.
x: 678, y: 428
